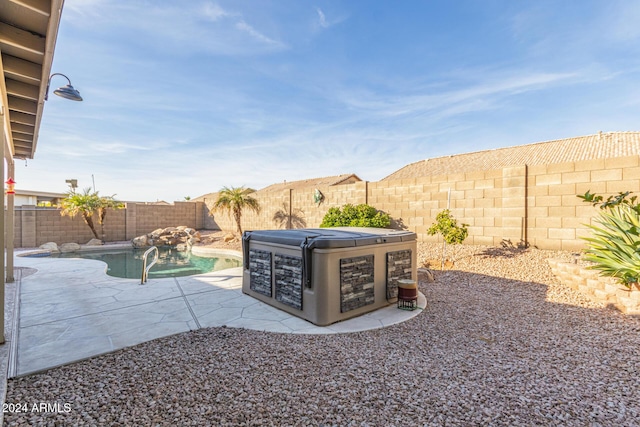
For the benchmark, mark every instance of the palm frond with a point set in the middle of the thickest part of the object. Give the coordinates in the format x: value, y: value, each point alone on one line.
x: 614, y: 246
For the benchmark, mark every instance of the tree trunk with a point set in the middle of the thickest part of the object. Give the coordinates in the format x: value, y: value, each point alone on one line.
x: 237, y: 214
x: 89, y: 221
x: 102, y: 213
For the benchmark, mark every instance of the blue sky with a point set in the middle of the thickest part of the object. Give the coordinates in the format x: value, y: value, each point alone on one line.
x: 184, y: 97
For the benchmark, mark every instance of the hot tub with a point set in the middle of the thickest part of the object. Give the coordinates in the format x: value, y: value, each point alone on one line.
x: 325, y: 275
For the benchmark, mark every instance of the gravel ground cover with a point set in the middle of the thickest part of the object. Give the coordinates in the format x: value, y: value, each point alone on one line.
x: 500, y: 343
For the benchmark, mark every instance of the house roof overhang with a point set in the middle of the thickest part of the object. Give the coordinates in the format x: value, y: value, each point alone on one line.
x: 28, y: 33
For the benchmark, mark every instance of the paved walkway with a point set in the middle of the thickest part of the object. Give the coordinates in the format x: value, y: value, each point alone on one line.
x: 70, y: 309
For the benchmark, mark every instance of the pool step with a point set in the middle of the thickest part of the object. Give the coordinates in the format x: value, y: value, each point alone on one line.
x: 173, y: 271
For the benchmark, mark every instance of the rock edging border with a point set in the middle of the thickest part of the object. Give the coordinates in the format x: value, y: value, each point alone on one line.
x: 596, y: 287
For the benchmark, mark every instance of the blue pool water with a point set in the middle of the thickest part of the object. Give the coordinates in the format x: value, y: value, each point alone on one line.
x: 127, y: 263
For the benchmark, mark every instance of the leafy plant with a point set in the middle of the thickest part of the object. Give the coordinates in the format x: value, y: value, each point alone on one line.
x: 620, y: 199
x: 84, y: 204
x: 361, y: 215
x: 614, y: 246
x: 448, y: 227
x: 234, y: 200
x: 452, y: 233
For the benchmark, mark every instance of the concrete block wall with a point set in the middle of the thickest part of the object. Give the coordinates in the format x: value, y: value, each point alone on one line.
x: 131, y: 221
x: 35, y: 225
x: 25, y: 225
x: 270, y: 204
x: 556, y: 216
x: 533, y: 204
x: 474, y: 198
x: 334, y: 196
x: 17, y: 232
x: 150, y: 217
x: 297, y: 204
x: 209, y: 221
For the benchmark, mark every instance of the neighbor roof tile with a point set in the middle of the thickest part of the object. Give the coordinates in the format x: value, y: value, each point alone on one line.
x: 599, y: 146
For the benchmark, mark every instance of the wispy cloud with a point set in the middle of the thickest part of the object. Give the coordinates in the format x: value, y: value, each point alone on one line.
x: 325, y: 22
x: 412, y: 103
x: 214, y: 12
x: 182, y: 98
x: 622, y: 21
x: 189, y: 27
x: 256, y: 35
x: 322, y: 18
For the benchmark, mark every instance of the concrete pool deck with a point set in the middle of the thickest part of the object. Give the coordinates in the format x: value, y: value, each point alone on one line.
x: 70, y: 309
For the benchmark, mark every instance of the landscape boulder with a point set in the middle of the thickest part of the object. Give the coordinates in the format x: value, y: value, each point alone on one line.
x: 156, y: 233
x: 169, y: 236
x: 140, y: 241
x: 95, y: 242
x: 69, y: 247
x: 50, y: 246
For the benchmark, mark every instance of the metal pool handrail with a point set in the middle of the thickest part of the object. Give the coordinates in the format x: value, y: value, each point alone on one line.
x: 145, y: 267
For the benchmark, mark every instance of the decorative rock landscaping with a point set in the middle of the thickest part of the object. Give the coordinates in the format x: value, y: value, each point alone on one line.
x: 50, y: 246
x: 69, y: 247
x: 170, y: 236
x: 597, y: 288
x: 501, y: 343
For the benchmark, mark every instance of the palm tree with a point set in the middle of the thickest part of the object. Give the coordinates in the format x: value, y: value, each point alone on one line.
x: 105, y: 203
x: 233, y: 200
x: 84, y: 203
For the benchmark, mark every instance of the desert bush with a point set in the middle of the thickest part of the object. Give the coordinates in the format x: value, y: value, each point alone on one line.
x: 614, y: 246
x: 452, y: 233
x: 355, y: 216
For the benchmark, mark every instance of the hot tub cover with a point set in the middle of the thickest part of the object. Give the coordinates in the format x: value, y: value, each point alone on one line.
x: 325, y: 238
x: 308, y: 239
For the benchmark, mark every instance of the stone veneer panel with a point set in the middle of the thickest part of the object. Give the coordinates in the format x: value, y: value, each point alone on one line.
x: 398, y: 267
x: 260, y: 271
x: 356, y: 282
x: 288, y: 271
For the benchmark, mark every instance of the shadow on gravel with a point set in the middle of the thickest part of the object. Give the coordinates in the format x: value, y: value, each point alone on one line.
x: 502, y: 252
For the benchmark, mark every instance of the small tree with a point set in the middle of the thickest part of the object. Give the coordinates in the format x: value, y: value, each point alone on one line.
x: 451, y: 232
x: 355, y: 216
x: 84, y: 204
x: 234, y: 200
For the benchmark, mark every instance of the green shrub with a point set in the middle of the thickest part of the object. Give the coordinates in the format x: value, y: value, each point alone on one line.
x: 448, y: 227
x: 355, y: 216
x: 451, y: 232
x: 614, y: 246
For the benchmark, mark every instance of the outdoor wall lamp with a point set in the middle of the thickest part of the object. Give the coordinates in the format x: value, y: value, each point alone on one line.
x: 10, y: 186
x: 67, y: 92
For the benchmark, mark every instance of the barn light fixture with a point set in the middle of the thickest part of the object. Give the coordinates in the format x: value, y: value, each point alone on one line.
x: 67, y: 92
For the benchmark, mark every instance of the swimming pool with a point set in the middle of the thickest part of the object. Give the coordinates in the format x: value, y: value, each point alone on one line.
x: 127, y: 263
